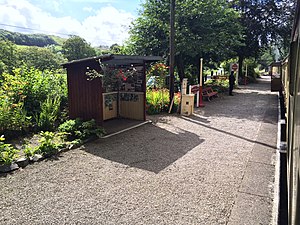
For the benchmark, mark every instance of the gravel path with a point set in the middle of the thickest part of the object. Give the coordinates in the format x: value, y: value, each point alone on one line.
x: 177, y: 170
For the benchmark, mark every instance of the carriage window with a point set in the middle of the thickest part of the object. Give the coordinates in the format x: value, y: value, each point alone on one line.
x: 294, y: 65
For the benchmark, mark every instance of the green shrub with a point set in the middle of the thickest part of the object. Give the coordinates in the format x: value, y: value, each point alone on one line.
x: 50, y: 143
x: 13, y: 116
x: 82, y: 130
x: 158, y: 101
x: 88, y: 129
x: 29, y: 151
x: 69, y: 126
x: 49, y: 114
x: 218, y: 85
x: 26, y: 93
x: 7, y: 152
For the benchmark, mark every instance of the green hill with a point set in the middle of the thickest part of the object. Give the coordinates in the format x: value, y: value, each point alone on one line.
x: 59, y: 40
x: 39, y: 40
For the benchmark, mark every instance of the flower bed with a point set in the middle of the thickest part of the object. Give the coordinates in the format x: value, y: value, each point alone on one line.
x: 71, y: 134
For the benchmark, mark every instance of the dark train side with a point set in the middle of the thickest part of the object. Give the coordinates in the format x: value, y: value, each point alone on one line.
x: 290, y: 128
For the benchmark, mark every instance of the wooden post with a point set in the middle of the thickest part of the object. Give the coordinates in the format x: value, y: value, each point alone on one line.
x: 200, y: 84
x: 172, y: 49
x: 246, y: 74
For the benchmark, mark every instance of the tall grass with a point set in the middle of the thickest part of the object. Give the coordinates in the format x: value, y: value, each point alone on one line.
x: 158, y: 101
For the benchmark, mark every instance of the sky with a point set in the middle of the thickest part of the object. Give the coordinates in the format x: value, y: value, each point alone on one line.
x: 99, y: 22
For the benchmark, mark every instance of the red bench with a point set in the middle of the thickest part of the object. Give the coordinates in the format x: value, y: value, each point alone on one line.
x: 208, y: 93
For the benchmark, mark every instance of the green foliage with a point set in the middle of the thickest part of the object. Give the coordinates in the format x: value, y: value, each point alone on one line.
x: 220, y: 86
x: 77, y: 48
x: 13, y: 116
x: 207, y: 29
x: 29, y: 151
x: 8, y: 57
x: 40, y: 40
x: 38, y: 86
x: 159, y: 72
x: 7, y: 152
x: 69, y: 126
x: 88, y: 129
x: 265, y: 23
x: 40, y: 58
x: 116, y: 49
x: 197, y: 24
x: 50, y: 143
x: 251, y: 68
x: 157, y: 101
x: 49, y: 113
x: 24, y: 94
x: 59, y: 40
x: 80, y: 129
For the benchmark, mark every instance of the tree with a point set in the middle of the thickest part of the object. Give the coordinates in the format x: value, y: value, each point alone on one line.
x: 116, y: 49
x: 77, y: 48
x: 283, y: 25
x: 265, y: 23
x: 40, y: 58
x: 207, y: 29
x: 7, y: 56
x: 40, y: 40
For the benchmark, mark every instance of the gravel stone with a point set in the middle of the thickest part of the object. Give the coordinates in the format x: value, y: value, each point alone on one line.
x: 177, y: 170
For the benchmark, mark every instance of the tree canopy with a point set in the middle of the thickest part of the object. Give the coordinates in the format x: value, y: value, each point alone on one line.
x: 215, y: 30
x: 77, y: 48
x: 8, y: 55
x: 40, y: 40
x: 265, y: 23
x: 204, y: 28
x: 39, y: 58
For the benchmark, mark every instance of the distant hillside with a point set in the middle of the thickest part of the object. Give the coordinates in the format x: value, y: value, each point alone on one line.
x: 58, y: 40
x: 39, y: 40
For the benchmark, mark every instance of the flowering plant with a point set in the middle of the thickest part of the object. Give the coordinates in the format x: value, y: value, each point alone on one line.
x: 159, y: 71
x: 112, y: 78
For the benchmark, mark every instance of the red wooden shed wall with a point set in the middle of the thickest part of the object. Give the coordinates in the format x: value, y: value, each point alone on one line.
x: 85, y: 97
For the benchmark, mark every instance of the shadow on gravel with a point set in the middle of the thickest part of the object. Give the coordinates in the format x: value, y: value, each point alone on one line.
x: 263, y: 84
x: 3, y: 175
x: 228, y: 133
x: 148, y: 147
x: 251, y: 105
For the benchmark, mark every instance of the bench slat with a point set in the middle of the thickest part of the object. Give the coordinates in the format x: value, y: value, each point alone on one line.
x: 208, y: 92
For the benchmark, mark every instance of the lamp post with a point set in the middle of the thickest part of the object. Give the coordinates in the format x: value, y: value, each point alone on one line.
x: 200, y: 84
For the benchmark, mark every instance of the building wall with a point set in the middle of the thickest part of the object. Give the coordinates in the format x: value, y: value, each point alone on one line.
x: 85, y: 97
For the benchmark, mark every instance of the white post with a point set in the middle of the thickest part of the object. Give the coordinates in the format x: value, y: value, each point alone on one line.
x: 184, y: 86
x: 200, y: 84
x: 201, y: 65
x: 198, y: 97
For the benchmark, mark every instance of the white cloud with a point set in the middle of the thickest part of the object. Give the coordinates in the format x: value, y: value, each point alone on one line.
x: 88, y: 9
x: 108, y: 26
x: 95, y: 1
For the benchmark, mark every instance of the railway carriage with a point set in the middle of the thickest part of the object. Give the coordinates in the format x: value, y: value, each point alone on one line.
x: 290, y: 95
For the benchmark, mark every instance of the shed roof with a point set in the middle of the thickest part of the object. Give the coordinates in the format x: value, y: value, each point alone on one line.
x: 278, y: 63
x: 116, y: 60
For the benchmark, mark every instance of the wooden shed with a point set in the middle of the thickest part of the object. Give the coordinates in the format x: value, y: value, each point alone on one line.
x: 95, y: 98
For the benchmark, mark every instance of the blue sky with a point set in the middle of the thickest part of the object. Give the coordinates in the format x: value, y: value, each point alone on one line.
x: 100, y: 22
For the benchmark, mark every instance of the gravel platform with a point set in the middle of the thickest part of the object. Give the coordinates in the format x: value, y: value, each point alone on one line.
x: 214, y: 167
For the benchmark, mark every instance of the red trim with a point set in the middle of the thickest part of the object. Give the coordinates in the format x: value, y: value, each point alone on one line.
x: 145, y: 89
x: 201, y: 104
